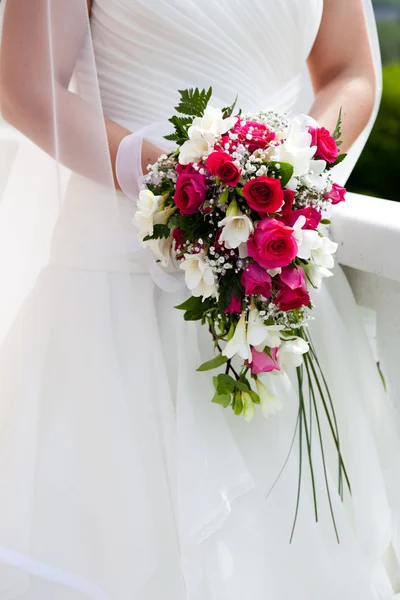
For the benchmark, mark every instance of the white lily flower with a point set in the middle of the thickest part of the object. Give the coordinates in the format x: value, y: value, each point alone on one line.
x: 290, y: 354
x: 296, y: 149
x: 237, y: 227
x: 260, y: 335
x: 199, y: 276
x: 307, y: 240
x: 248, y: 407
x: 269, y: 403
x: 239, y: 344
x: 274, y: 272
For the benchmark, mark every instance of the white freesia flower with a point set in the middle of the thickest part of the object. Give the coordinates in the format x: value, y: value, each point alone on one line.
x: 315, y: 274
x: 199, y: 276
x: 239, y: 344
x: 203, y: 133
x: 269, y: 403
x: 213, y: 122
x: 147, y: 206
x: 290, y: 354
x: 317, y: 177
x: 321, y: 261
x: 237, y: 227
x: 161, y: 249
x: 260, y: 335
x: 297, y: 149
x: 274, y: 272
x: 199, y: 145
x: 248, y: 407
x: 307, y: 240
x: 322, y: 255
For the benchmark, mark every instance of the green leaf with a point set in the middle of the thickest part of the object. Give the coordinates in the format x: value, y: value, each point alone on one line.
x: 224, y: 196
x: 159, y: 231
x: 231, y: 332
x: 214, y: 363
x: 228, y: 110
x: 338, y: 129
x: 237, y: 404
x: 325, y: 222
x: 284, y: 172
x: 339, y: 159
x: 193, y: 101
x: 239, y: 190
x: 242, y: 386
x: 226, y: 384
x: 255, y: 397
x: 181, y: 126
x: 194, y: 303
x: 222, y: 399
x: 215, y: 382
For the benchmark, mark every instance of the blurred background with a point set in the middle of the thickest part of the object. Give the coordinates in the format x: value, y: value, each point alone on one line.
x: 379, y: 164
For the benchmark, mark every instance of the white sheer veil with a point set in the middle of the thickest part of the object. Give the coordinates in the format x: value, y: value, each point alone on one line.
x: 55, y: 49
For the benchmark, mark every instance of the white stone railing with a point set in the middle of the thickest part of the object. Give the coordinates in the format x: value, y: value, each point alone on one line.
x: 368, y: 232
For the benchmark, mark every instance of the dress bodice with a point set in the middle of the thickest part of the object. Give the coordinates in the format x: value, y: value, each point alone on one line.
x: 145, y: 51
x: 148, y: 49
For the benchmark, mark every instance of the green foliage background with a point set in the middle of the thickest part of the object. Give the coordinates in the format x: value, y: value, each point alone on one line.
x: 378, y: 169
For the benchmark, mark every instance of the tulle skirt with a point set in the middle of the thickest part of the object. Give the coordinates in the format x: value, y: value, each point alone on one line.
x: 119, y: 479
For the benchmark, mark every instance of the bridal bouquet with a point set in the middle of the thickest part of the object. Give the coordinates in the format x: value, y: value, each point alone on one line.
x: 241, y: 205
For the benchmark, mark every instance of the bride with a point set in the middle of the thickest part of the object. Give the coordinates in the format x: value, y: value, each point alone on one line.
x: 118, y: 477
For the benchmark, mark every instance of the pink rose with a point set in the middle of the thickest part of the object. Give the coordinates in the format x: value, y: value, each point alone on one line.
x: 190, y: 193
x: 262, y: 363
x: 256, y: 280
x: 221, y: 165
x: 313, y: 217
x: 293, y: 290
x: 288, y: 199
x: 264, y: 194
x: 235, y: 305
x: 326, y: 145
x: 272, y: 245
x: 260, y: 135
x: 337, y: 194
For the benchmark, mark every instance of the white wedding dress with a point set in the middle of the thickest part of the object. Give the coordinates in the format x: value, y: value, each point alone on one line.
x: 118, y: 477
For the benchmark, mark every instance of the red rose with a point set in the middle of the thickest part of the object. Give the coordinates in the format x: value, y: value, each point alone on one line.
x: 235, y: 305
x: 326, y: 145
x: 264, y: 194
x: 221, y: 165
x: 313, y: 217
x: 179, y: 169
x: 272, y: 245
x: 178, y: 236
x: 293, y: 290
x: 288, y: 199
x: 256, y: 280
x: 337, y: 194
x: 190, y: 193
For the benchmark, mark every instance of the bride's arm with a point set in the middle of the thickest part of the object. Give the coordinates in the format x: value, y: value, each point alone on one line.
x: 341, y: 69
x: 26, y: 94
